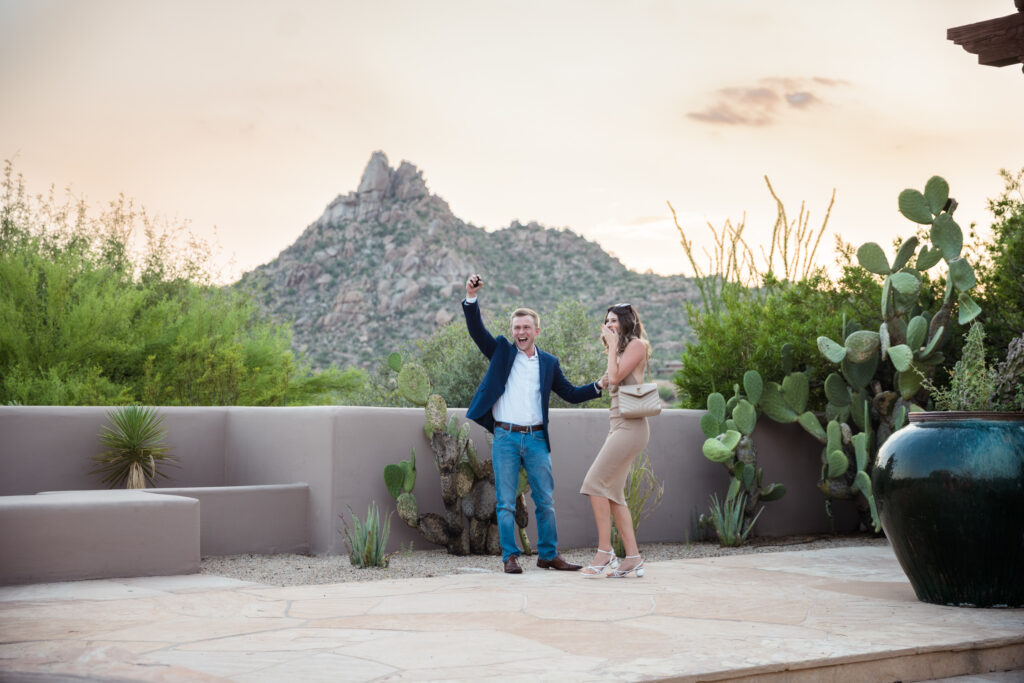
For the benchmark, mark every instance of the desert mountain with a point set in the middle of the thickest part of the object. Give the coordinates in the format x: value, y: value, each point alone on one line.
x: 387, y: 264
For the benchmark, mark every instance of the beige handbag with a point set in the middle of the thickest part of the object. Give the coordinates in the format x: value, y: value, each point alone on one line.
x: 639, y: 400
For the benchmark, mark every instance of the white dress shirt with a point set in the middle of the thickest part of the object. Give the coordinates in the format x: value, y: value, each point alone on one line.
x: 520, y: 404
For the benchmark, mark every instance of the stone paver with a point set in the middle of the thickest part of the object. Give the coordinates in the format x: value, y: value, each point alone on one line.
x: 841, y: 614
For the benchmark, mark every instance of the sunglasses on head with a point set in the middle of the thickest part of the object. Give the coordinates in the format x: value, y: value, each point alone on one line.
x: 627, y: 307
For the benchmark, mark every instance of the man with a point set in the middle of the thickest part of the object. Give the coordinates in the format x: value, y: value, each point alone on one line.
x: 512, y: 403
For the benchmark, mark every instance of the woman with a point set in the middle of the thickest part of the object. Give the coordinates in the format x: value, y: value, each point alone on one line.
x: 628, y: 351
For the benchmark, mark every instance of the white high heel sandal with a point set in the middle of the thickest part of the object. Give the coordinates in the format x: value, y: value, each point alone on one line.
x: 621, y: 574
x: 598, y: 570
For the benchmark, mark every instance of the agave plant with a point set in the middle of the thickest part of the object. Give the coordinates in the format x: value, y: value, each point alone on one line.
x: 367, y: 539
x: 136, y: 446
x: 728, y: 521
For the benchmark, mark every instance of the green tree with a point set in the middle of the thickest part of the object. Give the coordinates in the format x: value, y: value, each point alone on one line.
x: 113, y: 309
x: 1001, y: 272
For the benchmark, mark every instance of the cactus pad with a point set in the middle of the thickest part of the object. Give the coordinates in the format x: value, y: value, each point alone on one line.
x: 862, y: 345
x: 962, y: 275
x: 395, y: 361
x: 936, y: 191
x: 716, y: 406
x: 710, y: 425
x: 838, y: 463
x: 906, y: 250
x: 831, y: 350
x: 413, y: 383
x: 753, y: 385
x: 437, y: 412
x: 914, y: 206
x: 394, y: 478
x: 871, y: 258
x: 859, y: 374
x: 917, y: 329
x: 408, y: 510
x: 774, y: 406
x: 795, y: 390
x: 901, y: 356
x: 772, y: 492
x: 928, y: 257
x: 968, y: 310
x: 909, y: 382
x: 744, y: 416
x: 905, y: 283
x: 834, y: 441
x: 809, y: 421
x: 715, y: 451
x: 434, y: 529
x: 463, y: 479
x: 947, y: 236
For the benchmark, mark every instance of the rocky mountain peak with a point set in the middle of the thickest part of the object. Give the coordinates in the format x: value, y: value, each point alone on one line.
x: 386, y: 264
x: 379, y: 185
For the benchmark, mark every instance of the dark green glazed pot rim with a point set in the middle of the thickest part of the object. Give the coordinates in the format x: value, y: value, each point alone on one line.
x: 960, y: 415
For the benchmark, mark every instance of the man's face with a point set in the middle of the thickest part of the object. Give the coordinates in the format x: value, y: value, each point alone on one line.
x: 524, y: 331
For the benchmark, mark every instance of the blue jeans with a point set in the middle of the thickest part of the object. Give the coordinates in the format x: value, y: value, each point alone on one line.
x: 509, y: 452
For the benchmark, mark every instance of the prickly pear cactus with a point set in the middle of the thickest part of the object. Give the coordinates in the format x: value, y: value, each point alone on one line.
x: 908, y: 337
x: 408, y: 509
x: 881, y: 372
x: 729, y: 426
x: 401, y: 477
x: 413, y: 383
x: 469, y: 524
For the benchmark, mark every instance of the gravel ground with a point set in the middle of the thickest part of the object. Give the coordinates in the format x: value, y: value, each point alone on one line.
x: 297, y: 570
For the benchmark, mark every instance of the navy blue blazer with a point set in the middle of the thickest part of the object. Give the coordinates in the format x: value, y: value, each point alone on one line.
x: 502, y: 354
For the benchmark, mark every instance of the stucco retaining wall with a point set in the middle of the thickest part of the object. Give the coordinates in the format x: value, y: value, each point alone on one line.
x: 341, y: 452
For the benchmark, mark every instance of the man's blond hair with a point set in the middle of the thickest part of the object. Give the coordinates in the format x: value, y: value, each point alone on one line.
x: 520, y: 312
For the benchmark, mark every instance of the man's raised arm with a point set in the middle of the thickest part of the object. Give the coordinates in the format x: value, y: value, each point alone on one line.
x: 474, y: 323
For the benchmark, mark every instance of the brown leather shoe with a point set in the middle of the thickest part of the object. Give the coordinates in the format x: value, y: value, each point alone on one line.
x: 512, y: 565
x: 558, y: 563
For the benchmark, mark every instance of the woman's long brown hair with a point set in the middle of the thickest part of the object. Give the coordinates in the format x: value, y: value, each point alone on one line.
x: 630, y: 327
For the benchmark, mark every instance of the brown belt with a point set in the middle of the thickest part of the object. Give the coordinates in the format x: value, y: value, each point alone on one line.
x: 519, y: 428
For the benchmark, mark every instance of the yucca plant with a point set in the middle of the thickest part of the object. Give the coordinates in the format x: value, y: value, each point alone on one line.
x: 643, y: 494
x: 136, y: 446
x: 367, y: 539
x: 727, y: 518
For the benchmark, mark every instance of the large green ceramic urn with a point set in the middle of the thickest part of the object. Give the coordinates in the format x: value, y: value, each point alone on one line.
x: 950, y: 492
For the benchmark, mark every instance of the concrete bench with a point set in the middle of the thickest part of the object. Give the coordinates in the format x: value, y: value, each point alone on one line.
x: 250, y: 519
x: 71, y: 535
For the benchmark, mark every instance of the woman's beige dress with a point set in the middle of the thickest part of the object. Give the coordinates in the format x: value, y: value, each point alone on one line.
x: 626, y: 439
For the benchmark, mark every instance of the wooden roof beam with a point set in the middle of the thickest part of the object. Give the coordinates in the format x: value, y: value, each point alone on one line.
x: 997, y: 42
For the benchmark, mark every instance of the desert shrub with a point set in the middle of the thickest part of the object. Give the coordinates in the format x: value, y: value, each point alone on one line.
x: 751, y: 326
x: 116, y: 309
x: 752, y: 305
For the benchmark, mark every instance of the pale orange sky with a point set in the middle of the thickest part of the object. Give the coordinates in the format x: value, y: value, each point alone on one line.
x: 253, y: 116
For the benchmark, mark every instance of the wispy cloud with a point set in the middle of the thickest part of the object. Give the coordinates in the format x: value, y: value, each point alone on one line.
x: 764, y: 103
